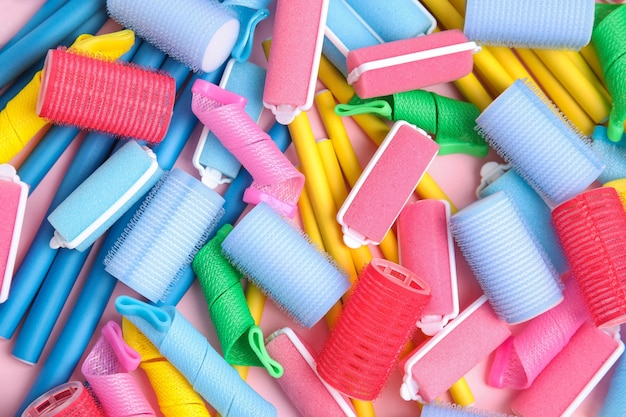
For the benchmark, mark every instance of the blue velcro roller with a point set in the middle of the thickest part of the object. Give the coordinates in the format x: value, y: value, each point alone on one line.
x: 549, y: 24
x: 103, y: 197
x: 345, y: 31
x: 214, y: 162
x: 49, y: 34
x: 190, y: 352
x: 250, y: 13
x: 392, y: 21
x: 209, y: 35
x: 164, y: 235
x: 529, y: 132
x: 613, y: 154
x: 614, y: 404
x: 538, y: 216
x: 510, y: 266
x: 285, y: 265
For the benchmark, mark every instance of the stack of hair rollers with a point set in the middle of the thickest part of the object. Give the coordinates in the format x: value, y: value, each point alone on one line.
x: 329, y: 260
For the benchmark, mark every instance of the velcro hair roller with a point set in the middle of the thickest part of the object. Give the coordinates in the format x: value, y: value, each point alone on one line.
x: 242, y: 341
x: 608, y: 40
x: 175, y: 395
x: 438, y: 363
x: 276, y: 181
x: 210, y: 28
x: 377, y: 321
x: 518, y: 123
x: 511, y: 267
x: 92, y: 208
x: 111, y: 97
x: 571, y: 375
x: 550, y: 24
x: 190, y: 352
x: 107, y: 369
x: 301, y: 383
x: 591, y: 228
x: 13, y: 197
x: 613, y: 155
x: 410, y: 64
x: 426, y: 247
x: 451, y: 122
x: 72, y: 399
x: 285, y: 265
x: 372, y: 206
x: 168, y: 229
x: 520, y: 359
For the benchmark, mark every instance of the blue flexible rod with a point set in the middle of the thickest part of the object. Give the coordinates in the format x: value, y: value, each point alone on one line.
x: 49, y: 34
x: 66, y: 266
x: 40, y: 256
x: 99, y: 284
x: 91, y: 26
x: 233, y: 207
x: 44, y: 12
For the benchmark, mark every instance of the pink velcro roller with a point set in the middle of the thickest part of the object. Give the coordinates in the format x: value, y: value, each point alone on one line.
x: 410, y: 64
x: 377, y: 321
x: 276, y: 181
x: 13, y: 195
x: 426, y: 247
x: 520, y: 359
x: 300, y: 381
x: 386, y: 184
x: 106, y: 96
x: 433, y: 367
x: 571, y: 375
x: 72, y: 399
x: 591, y: 229
x: 294, y: 57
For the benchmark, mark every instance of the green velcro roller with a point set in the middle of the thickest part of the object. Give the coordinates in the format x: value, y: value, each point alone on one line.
x: 242, y: 341
x: 451, y: 121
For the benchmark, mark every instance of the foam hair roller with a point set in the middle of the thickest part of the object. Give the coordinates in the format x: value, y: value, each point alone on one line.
x: 298, y: 31
x: 118, y: 183
x: 173, y: 222
x: 451, y: 122
x: 372, y: 207
x: 242, y: 341
x: 410, y: 64
x: 174, y: 394
x: 276, y: 181
x: 609, y: 44
x: 216, y: 164
x: 107, y: 369
x: 109, y: 97
x: 211, y: 29
x: 520, y: 359
x: 301, y: 382
x: 613, y: 155
x: 591, y: 227
x: 426, y: 247
x: 190, y: 352
x: 533, y: 209
x: 285, y: 265
x: 249, y: 13
x: 71, y: 399
x: 614, y: 404
x: 438, y: 363
x: 512, y: 269
x: 517, y: 123
x: 13, y: 196
x: 377, y: 321
x: 585, y: 360
x: 551, y: 24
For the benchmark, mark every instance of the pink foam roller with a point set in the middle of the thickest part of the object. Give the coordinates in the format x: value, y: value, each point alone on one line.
x: 433, y: 367
x: 410, y: 64
x: 426, y: 247
x: 106, y: 96
x: 386, y: 184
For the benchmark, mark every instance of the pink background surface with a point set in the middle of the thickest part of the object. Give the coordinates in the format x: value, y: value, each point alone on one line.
x: 457, y: 175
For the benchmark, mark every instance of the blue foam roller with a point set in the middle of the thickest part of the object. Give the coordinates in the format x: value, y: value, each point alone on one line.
x: 614, y: 404
x: 249, y: 13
